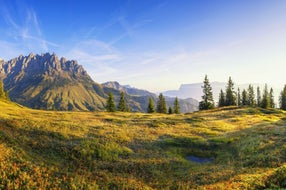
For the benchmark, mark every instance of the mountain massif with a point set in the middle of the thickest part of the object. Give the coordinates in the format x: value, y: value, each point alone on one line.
x: 49, y: 82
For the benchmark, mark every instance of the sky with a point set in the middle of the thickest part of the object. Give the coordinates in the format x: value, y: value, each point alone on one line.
x: 155, y: 45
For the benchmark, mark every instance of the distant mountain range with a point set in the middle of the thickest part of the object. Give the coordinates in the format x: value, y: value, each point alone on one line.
x: 49, y: 82
x: 195, y: 91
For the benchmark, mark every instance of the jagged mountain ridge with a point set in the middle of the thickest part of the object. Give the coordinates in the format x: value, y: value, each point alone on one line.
x: 47, y: 82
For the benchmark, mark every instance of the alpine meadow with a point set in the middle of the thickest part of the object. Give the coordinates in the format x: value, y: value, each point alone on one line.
x: 89, y: 95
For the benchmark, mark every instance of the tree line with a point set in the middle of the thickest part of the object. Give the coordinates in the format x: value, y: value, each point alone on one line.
x: 160, y: 108
x: 246, y: 97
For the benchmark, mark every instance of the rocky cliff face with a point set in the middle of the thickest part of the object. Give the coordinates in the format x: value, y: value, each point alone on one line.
x: 47, y: 82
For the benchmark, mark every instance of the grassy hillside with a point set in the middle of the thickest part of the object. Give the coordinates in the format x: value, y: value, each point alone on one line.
x: 90, y: 150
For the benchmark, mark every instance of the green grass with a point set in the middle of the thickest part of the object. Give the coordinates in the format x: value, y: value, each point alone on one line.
x: 99, y: 150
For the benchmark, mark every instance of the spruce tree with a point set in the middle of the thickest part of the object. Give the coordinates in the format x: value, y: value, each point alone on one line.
x: 282, y: 99
x: 2, y: 93
x: 221, y: 101
x: 238, y: 97
x: 258, y: 101
x: 170, y: 110
x: 251, y: 96
x: 110, y: 104
x: 271, y: 98
x: 244, y: 100
x: 151, y: 106
x: 207, y: 99
x: 230, y: 99
x: 177, y: 106
x: 122, y: 103
x: 265, y: 103
x: 161, y: 104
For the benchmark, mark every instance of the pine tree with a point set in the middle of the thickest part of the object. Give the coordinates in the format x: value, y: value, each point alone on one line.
x: 170, y: 110
x: 221, y: 101
x: 251, y: 96
x: 244, y: 100
x: 258, y: 102
x: 238, y: 97
x: 151, y: 106
x: 110, y: 104
x: 161, y: 104
x: 207, y: 99
x: 271, y: 98
x: 265, y: 103
x: 230, y: 99
x: 177, y: 106
x: 282, y: 99
x: 122, y: 103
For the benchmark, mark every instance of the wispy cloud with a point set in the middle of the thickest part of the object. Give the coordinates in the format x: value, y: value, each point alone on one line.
x: 23, y: 29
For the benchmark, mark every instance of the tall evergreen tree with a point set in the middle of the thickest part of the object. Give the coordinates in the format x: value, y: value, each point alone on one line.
x: 177, y: 106
x: 110, y: 104
x: 265, y: 103
x: 170, y: 110
x: 230, y: 99
x: 161, y: 104
x: 151, y: 106
x: 207, y: 99
x: 221, y: 101
x: 122, y: 103
x: 258, y: 94
x: 251, y: 96
x: 238, y: 97
x: 244, y: 100
x: 271, y: 98
x: 282, y: 99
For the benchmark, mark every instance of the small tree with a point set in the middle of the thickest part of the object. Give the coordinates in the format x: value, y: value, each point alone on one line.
x: 170, y: 110
x: 258, y: 102
x: 221, y: 101
x: 282, y: 99
x: 271, y: 98
x: 244, y: 100
x: 177, y: 108
x: 2, y: 92
x: 230, y: 99
x: 238, y: 97
x: 161, y: 104
x: 265, y: 103
x: 110, y: 104
x: 151, y: 106
x: 207, y: 99
x: 251, y: 97
x: 122, y: 103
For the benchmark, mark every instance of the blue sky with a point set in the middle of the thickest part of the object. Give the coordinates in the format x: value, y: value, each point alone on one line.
x: 153, y: 44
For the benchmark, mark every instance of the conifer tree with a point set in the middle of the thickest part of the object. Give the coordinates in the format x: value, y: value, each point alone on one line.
x: 282, y: 99
x: 151, y: 106
x: 251, y: 96
x: 230, y: 99
x: 177, y: 106
x: 161, y: 104
x: 110, y: 104
x: 122, y: 103
x: 265, y: 103
x: 238, y: 97
x: 207, y: 99
x: 170, y: 110
x: 258, y: 101
x: 221, y: 101
x: 271, y: 98
x: 244, y: 100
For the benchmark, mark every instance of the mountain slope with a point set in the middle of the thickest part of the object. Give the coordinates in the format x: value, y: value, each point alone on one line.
x: 47, y: 82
